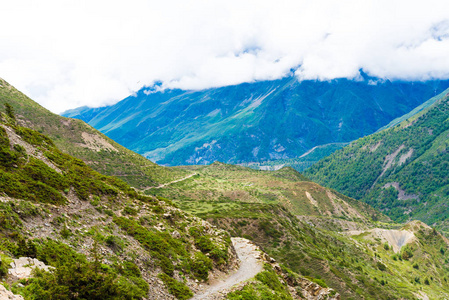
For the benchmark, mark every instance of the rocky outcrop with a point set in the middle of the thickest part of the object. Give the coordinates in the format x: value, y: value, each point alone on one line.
x: 22, y: 267
x: 8, y: 295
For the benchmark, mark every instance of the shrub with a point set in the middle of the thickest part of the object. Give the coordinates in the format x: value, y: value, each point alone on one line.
x: 201, y: 266
x: 269, y: 278
x: 381, y: 266
x: 129, y: 211
x: 176, y: 288
x: 77, y: 278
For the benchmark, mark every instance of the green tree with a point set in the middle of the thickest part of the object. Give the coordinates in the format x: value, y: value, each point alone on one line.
x: 10, y: 111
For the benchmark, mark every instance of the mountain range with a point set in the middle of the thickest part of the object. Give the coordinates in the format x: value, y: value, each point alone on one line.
x: 254, y: 122
x: 177, y: 231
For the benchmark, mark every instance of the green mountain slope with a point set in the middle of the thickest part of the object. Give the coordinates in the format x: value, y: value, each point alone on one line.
x: 102, y: 238
x: 315, y: 231
x: 403, y: 170
x: 84, y: 142
x: 254, y: 122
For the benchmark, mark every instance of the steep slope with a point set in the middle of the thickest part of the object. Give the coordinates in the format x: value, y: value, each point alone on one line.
x: 254, y: 121
x: 402, y: 170
x: 104, y: 240
x: 84, y: 142
x: 329, y: 238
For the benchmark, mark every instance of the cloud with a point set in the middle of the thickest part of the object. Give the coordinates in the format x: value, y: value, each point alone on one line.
x: 66, y: 54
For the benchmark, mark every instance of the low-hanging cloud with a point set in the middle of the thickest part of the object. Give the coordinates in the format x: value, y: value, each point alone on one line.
x: 66, y: 54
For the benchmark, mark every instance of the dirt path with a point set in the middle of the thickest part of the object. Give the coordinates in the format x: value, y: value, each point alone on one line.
x: 168, y: 183
x: 250, y: 265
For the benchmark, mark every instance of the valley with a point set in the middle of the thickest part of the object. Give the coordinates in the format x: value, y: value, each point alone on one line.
x: 224, y: 150
x: 180, y: 234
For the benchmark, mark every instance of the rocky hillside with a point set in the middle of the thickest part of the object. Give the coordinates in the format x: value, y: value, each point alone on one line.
x: 78, y: 139
x: 103, y: 239
x: 328, y: 238
x: 254, y: 122
x: 91, y: 236
x: 402, y: 170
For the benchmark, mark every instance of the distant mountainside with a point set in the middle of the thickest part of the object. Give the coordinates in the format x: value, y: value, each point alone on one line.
x: 299, y: 163
x: 84, y: 142
x: 402, y: 170
x: 254, y: 122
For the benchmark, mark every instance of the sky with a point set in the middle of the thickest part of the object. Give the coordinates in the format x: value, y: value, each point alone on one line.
x: 66, y: 54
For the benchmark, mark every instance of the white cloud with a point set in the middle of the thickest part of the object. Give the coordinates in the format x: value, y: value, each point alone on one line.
x: 66, y: 54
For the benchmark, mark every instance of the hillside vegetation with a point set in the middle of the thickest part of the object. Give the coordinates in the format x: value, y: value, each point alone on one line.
x: 317, y: 232
x: 102, y: 238
x: 402, y: 171
x: 254, y: 122
x: 78, y: 139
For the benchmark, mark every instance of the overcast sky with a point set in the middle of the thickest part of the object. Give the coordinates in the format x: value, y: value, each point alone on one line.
x: 66, y: 54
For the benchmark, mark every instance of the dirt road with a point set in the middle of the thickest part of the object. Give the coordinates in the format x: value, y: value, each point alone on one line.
x: 250, y: 265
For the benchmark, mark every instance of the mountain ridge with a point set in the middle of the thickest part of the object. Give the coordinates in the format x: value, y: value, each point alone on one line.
x: 254, y: 122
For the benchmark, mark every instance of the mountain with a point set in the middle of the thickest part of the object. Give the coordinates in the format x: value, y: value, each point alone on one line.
x: 401, y: 170
x: 92, y: 236
x: 76, y: 138
x: 254, y: 122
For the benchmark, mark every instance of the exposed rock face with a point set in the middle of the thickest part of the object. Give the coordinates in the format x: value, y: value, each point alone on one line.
x: 22, y: 267
x: 8, y: 295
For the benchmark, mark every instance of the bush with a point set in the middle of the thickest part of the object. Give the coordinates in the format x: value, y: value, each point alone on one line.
x: 270, y: 279
x: 176, y: 288
x: 77, y: 278
x: 201, y: 266
x: 381, y: 266
x: 129, y: 211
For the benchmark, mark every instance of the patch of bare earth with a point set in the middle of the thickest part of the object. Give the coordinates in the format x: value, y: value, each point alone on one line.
x: 395, y: 238
x: 96, y: 142
x: 401, y: 193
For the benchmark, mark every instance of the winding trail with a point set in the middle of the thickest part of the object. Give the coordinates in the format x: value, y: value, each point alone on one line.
x: 250, y: 265
x: 168, y: 183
